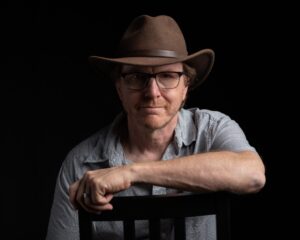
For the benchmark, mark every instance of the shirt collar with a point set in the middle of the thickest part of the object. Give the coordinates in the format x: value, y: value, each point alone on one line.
x: 185, y: 131
x: 110, y: 148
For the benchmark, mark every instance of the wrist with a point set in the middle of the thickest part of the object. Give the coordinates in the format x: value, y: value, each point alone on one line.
x: 134, y: 172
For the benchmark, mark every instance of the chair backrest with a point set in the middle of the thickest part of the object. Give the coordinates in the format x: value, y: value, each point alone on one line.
x: 129, y: 209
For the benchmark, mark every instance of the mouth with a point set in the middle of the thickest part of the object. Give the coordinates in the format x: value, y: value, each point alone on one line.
x: 151, y: 109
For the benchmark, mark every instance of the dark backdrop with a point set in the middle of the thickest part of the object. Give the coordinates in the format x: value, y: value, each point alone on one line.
x: 53, y: 100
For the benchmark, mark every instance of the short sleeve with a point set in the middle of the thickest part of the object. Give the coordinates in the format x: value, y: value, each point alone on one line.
x: 63, y: 222
x: 226, y: 134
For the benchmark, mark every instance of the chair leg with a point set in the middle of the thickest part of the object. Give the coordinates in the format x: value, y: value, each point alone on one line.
x: 86, y: 225
x: 223, y: 219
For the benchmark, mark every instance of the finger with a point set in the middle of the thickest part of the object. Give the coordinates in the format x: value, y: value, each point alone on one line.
x: 80, y: 192
x: 106, y: 199
x: 105, y: 207
x: 98, y: 208
x: 98, y: 198
x: 72, y: 194
x: 109, y: 196
x: 86, y: 198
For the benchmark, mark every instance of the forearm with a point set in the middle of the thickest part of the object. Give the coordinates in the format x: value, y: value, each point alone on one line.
x: 214, y: 171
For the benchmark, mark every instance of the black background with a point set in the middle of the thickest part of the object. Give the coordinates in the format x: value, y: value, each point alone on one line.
x: 52, y: 99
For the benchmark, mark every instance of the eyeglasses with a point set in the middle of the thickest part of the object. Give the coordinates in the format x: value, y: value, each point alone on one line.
x: 140, y: 80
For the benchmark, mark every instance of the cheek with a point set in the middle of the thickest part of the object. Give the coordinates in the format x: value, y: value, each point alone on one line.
x: 124, y: 100
x: 127, y: 99
x: 120, y: 91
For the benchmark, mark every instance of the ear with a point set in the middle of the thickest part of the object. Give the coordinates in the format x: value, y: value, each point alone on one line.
x: 187, y: 80
x: 185, y: 90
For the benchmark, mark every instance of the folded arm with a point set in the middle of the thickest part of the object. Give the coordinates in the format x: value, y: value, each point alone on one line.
x: 241, y: 172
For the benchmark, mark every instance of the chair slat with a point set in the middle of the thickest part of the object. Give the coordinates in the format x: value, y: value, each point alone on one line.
x: 131, y: 208
x: 129, y: 229
x: 179, y: 228
x: 154, y: 229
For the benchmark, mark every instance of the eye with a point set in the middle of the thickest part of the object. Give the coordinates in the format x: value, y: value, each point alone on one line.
x: 141, y: 76
x: 129, y: 77
x: 168, y: 76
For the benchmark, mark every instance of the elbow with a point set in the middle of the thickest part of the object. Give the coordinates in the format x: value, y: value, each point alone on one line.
x: 255, y: 183
x: 254, y: 176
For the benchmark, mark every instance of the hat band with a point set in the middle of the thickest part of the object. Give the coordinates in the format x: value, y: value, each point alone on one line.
x: 152, y: 53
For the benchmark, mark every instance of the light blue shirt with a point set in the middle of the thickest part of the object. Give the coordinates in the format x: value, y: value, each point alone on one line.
x: 197, y: 131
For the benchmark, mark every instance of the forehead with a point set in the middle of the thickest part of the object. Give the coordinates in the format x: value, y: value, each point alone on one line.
x: 162, y: 68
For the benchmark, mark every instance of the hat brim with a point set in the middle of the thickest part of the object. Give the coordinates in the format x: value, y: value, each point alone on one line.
x: 202, y: 61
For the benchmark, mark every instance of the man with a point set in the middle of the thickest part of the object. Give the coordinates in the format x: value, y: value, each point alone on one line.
x: 155, y: 146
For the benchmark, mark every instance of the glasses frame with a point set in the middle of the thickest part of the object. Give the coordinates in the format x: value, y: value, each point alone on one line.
x: 153, y: 75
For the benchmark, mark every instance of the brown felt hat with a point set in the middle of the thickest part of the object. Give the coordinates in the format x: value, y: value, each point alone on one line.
x: 155, y: 41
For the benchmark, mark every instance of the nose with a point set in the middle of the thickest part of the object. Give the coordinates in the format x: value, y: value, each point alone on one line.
x: 152, y: 90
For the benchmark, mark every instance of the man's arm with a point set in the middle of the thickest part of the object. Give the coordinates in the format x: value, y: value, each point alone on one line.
x: 241, y: 172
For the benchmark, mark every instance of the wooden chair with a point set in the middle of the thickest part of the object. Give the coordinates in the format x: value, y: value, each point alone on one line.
x: 129, y: 209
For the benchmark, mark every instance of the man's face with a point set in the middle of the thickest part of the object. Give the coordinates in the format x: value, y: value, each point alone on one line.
x: 152, y: 107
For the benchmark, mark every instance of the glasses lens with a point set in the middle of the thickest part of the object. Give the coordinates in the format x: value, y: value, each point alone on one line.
x: 165, y: 80
x: 168, y: 79
x: 135, y: 80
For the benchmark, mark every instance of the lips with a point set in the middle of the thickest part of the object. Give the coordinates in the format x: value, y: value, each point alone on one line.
x: 151, y: 109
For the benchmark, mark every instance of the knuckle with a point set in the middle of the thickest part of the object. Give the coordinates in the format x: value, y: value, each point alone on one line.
x: 101, y: 200
x: 88, y: 176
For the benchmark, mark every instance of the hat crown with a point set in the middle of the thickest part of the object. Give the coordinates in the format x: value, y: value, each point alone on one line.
x: 156, y: 41
x: 153, y: 36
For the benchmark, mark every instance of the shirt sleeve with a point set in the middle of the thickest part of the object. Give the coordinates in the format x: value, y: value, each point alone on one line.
x: 63, y: 222
x: 226, y: 134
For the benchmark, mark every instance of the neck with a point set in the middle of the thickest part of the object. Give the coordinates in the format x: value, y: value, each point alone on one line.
x: 149, y: 142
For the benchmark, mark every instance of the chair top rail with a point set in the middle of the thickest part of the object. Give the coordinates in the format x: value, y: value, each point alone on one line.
x: 161, y: 206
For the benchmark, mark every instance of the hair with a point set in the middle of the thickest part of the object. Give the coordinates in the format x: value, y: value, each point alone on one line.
x: 191, y: 73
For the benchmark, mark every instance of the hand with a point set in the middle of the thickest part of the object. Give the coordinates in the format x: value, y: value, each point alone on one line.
x: 95, y: 189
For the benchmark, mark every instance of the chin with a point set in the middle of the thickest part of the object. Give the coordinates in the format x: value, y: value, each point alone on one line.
x: 155, y: 122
